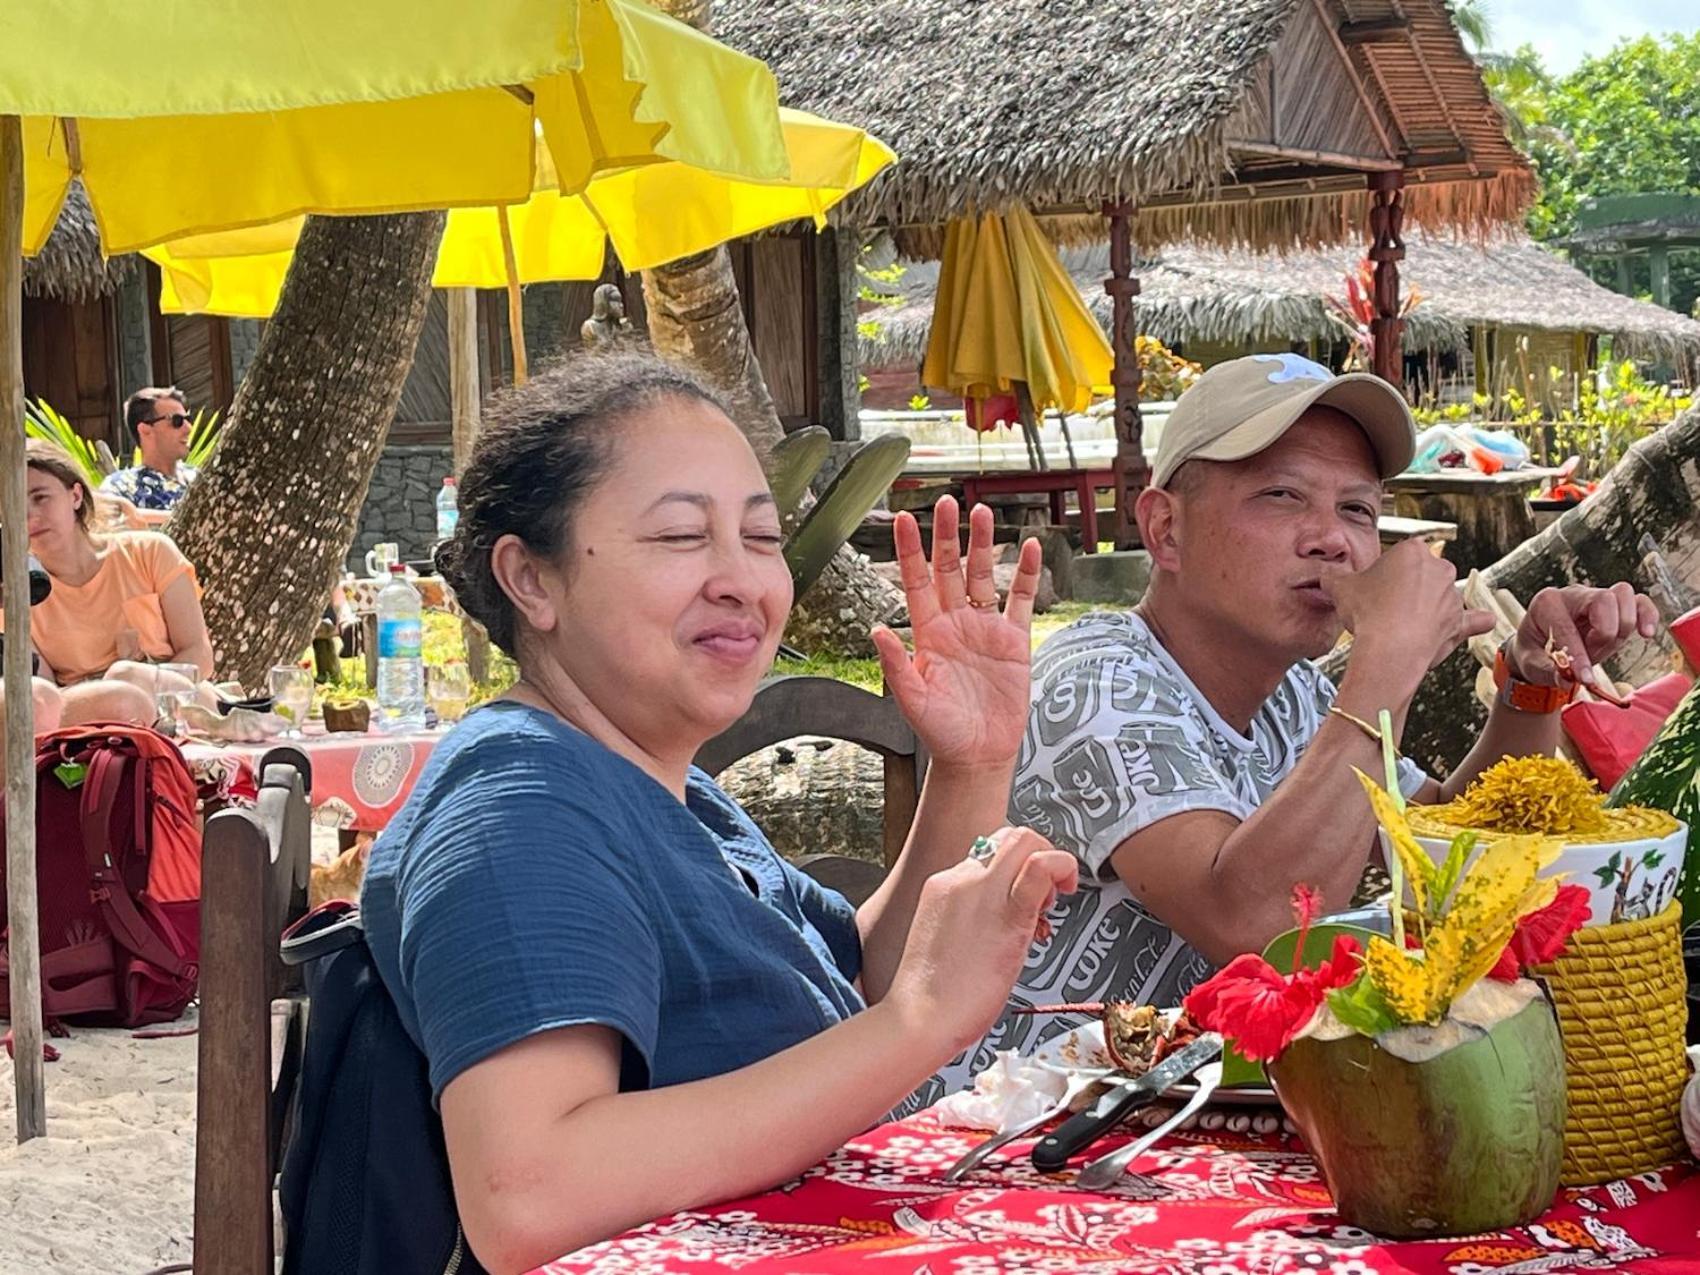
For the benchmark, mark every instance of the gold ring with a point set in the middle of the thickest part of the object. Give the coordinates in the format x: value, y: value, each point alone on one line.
x: 988, y: 605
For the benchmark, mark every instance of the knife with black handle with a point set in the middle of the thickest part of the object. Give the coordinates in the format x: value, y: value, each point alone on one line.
x: 1076, y: 1133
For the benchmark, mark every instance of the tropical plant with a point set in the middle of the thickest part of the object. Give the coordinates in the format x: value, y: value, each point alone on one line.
x: 1356, y: 314
x: 42, y: 421
x: 815, y: 533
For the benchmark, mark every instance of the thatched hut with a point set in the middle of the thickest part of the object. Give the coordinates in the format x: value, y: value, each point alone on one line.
x: 1509, y: 306
x: 1269, y: 123
x: 93, y: 332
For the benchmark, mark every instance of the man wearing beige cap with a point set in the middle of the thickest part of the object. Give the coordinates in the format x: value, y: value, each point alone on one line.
x: 1190, y: 753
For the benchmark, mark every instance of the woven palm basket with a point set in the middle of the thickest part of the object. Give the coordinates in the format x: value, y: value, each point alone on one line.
x: 1621, y: 994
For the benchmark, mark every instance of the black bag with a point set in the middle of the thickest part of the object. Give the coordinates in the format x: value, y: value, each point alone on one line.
x: 365, y: 1185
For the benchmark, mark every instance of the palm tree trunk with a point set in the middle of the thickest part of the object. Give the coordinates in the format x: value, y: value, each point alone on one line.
x: 697, y: 317
x: 1653, y: 491
x: 269, y: 524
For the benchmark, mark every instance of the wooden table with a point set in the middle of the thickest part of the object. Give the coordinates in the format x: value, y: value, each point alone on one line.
x: 1491, y: 511
x: 1055, y: 483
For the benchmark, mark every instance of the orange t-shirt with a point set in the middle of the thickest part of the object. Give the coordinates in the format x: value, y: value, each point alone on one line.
x: 77, y: 628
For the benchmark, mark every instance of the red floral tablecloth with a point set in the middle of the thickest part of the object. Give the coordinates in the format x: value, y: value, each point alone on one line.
x: 359, y: 781
x: 1232, y: 1205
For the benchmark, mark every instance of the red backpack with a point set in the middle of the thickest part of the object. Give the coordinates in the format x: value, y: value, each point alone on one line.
x: 118, y: 876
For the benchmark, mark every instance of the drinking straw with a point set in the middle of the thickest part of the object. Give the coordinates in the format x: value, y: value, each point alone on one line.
x: 1390, y: 760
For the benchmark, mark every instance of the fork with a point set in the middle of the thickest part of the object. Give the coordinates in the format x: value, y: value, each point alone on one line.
x: 1078, y: 1083
x: 1105, y: 1170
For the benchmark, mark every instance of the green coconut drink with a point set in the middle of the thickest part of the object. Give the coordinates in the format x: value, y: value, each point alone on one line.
x: 1431, y: 1131
x: 1424, y: 1072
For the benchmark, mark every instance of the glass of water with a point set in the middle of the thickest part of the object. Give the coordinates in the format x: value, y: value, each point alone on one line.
x: 448, y: 688
x: 292, y: 697
x: 174, y: 685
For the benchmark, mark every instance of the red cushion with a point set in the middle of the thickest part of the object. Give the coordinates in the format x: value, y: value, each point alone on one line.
x: 1686, y: 630
x: 1610, y: 738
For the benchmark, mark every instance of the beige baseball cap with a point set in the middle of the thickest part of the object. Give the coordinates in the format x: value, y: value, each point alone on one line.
x: 1240, y: 407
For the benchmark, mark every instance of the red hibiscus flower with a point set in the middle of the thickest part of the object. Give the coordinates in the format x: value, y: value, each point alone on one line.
x: 1259, y: 1007
x: 1542, y: 935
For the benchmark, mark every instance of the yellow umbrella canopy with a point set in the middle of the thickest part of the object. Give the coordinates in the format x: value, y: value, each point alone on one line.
x: 1007, y: 311
x: 651, y: 214
x: 182, y: 116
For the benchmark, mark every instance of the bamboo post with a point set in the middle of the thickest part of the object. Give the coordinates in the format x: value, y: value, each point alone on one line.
x: 466, y: 412
x: 24, y: 951
x: 516, y: 311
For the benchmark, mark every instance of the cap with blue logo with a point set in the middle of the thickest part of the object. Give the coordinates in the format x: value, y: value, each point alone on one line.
x: 1240, y: 407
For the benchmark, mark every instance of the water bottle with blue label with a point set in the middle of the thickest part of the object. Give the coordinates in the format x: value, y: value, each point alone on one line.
x: 401, y: 664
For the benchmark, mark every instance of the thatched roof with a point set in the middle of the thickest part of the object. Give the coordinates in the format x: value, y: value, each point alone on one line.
x: 1188, y: 293
x: 69, y: 266
x: 1240, y: 121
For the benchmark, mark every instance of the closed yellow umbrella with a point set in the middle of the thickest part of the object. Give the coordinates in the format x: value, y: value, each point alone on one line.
x: 1007, y: 313
x: 186, y: 115
x: 651, y: 214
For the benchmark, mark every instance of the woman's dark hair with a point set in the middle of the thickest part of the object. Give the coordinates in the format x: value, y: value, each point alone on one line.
x: 50, y: 458
x: 541, y: 450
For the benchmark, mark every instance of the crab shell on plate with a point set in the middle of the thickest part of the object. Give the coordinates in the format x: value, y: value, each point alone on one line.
x: 239, y: 726
x: 1631, y: 872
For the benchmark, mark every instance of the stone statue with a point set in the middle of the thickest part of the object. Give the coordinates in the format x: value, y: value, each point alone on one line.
x: 607, y: 319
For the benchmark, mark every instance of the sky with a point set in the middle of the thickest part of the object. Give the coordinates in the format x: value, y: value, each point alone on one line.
x: 1564, y: 31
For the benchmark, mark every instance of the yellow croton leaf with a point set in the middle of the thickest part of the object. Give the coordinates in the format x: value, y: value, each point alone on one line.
x: 1419, y: 868
x: 1413, y: 987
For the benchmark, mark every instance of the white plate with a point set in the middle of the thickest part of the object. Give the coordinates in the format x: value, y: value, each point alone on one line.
x: 1082, y: 1049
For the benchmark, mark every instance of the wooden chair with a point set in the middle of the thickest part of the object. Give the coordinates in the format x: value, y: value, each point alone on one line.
x: 255, y: 866
x: 785, y: 707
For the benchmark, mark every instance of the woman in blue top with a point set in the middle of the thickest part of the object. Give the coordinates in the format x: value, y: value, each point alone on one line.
x: 629, y: 1003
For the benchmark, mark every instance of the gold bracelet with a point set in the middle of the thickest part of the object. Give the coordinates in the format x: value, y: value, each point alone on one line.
x: 1334, y: 710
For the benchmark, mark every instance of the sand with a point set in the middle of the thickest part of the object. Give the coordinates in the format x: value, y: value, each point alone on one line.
x: 110, y: 1189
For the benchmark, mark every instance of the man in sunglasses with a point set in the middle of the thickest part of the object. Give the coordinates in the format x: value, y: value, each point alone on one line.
x: 160, y: 424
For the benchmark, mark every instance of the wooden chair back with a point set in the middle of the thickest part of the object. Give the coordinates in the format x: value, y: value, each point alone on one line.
x: 255, y: 866
x: 785, y: 707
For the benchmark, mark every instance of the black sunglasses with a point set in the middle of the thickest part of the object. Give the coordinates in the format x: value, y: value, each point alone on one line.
x: 177, y: 419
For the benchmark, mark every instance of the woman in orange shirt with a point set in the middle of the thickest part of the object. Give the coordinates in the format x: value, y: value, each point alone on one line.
x: 120, y: 604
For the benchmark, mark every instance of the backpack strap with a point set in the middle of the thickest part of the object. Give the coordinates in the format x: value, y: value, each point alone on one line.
x: 107, y: 888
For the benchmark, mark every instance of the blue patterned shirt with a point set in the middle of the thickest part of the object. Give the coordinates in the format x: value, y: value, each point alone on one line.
x: 148, y: 488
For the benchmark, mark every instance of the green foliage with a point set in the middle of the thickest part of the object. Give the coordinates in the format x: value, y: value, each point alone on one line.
x: 919, y: 402
x: 1623, y: 122
x: 42, y: 421
x: 1361, y: 1006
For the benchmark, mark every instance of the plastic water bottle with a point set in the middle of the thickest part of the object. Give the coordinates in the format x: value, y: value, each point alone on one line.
x: 448, y: 508
x: 401, y: 666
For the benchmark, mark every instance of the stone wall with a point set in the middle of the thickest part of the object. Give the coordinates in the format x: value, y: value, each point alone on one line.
x: 244, y: 344
x: 401, y: 502
x: 135, y: 348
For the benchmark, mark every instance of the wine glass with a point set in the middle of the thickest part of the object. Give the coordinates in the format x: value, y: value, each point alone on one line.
x: 292, y: 697
x: 448, y: 689
x: 174, y: 686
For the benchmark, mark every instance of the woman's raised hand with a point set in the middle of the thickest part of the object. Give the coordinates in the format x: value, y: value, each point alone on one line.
x: 965, y: 688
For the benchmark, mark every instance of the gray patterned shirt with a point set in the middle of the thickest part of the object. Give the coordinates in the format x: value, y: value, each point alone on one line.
x: 1119, y: 739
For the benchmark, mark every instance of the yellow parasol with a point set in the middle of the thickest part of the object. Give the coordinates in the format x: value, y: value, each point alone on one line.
x: 185, y: 116
x: 650, y: 214
x: 1008, y: 315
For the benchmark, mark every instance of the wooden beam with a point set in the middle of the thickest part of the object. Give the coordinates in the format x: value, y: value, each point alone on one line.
x: 1357, y: 80
x: 1301, y: 155
x: 516, y: 309
x: 1374, y: 31
x: 24, y: 945
x: 465, y: 403
x: 1132, y: 472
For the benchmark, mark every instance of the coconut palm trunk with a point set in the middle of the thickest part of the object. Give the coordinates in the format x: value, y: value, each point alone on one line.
x: 269, y: 524
x: 1653, y: 491
x: 697, y: 317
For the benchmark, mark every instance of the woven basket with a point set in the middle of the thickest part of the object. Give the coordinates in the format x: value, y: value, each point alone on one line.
x: 1621, y: 995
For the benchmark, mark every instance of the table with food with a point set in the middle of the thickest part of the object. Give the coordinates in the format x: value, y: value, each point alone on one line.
x: 1486, y: 1071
